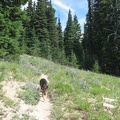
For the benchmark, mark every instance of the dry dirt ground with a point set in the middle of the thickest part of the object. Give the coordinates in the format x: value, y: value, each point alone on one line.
x: 41, y: 111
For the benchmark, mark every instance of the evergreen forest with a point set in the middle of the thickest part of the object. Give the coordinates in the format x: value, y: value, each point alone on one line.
x: 36, y: 31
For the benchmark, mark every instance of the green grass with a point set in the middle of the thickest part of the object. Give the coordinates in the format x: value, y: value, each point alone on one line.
x: 1, y: 93
x: 82, y: 104
x: 70, y: 89
x: 29, y: 94
x: 8, y: 102
x: 3, y: 69
x: 57, y: 113
x: 23, y: 117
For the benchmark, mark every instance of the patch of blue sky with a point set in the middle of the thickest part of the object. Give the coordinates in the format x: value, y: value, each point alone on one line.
x: 78, y: 7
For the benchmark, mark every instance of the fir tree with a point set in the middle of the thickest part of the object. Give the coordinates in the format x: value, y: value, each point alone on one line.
x: 60, y: 36
x: 77, y: 46
x: 88, y: 39
x: 62, y: 58
x: 105, y: 31
x: 11, y: 29
x: 31, y: 38
x: 29, y: 27
x: 41, y: 29
x: 69, y: 37
x: 52, y: 30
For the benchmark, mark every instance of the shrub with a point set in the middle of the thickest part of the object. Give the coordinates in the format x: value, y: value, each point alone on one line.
x: 99, y: 115
x: 9, y: 48
x: 82, y: 104
x: 9, y: 102
x: 98, y: 91
x: 96, y: 67
x: 63, y: 88
x: 57, y: 114
x: 30, y: 94
x: 23, y: 117
x: 3, y: 72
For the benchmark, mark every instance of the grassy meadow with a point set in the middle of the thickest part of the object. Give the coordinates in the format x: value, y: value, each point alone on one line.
x: 75, y: 94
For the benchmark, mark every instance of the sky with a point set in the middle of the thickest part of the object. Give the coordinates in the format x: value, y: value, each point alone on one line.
x: 78, y: 7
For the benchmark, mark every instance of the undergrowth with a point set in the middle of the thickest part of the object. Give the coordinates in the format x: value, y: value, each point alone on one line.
x: 23, y: 117
x: 29, y: 94
x: 8, y: 102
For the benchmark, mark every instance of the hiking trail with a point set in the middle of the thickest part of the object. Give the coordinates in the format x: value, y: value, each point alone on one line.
x: 10, y: 89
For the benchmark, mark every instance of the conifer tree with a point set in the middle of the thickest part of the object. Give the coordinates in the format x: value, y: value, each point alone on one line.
x: 28, y: 27
x: 110, y: 52
x: 74, y: 60
x: 52, y: 30
x: 60, y: 36
x: 31, y: 39
x: 11, y: 29
x: 41, y: 29
x: 88, y: 39
x: 77, y: 46
x: 105, y: 32
x: 62, y: 58
x: 69, y: 38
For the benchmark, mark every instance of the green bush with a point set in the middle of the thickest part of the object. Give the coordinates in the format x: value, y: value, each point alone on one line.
x: 3, y: 72
x: 23, y: 117
x: 96, y: 67
x: 30, y: 94
x: 98, y: 91
x: 63, y: 88
x: 82, y: 104
x: 1, y: 86
x: 57, y: 114
x: 9, y: 102
x: 99, y: 115
x: 1, y: 96
x: 9, y: 48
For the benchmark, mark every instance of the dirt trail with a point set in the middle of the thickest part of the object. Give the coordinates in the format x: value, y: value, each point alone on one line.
x: 41, y: 111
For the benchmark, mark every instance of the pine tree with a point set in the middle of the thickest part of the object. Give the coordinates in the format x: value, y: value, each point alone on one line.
x: 100, y: 23
x: 11, y: 29
x: 110, y: 63
x: 29, y: 27
x: 31, y: 38
x: 105, y: 32
x: 74, y: 60
x: 77, y: 46
x: 69, y: 37
x: 41, y: 29
x: 52, y: 30
x: 60, y: 36
x: 35, y: 43
x: 62, y: 58
x: 88, y: 39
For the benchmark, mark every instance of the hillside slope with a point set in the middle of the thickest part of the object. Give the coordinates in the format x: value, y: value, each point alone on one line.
x: 12, y: 107
x: 75, y: 94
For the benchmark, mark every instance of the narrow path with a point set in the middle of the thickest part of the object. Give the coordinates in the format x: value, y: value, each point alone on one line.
x: 41, y: 111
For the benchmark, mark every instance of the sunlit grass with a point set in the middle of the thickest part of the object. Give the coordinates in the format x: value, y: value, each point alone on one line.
x: 29, y: 94
x: 23, y: 117
x: 70, y: 89
x: 8, y: 102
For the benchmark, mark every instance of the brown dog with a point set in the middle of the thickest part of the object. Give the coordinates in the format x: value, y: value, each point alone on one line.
x: 44, y: 86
